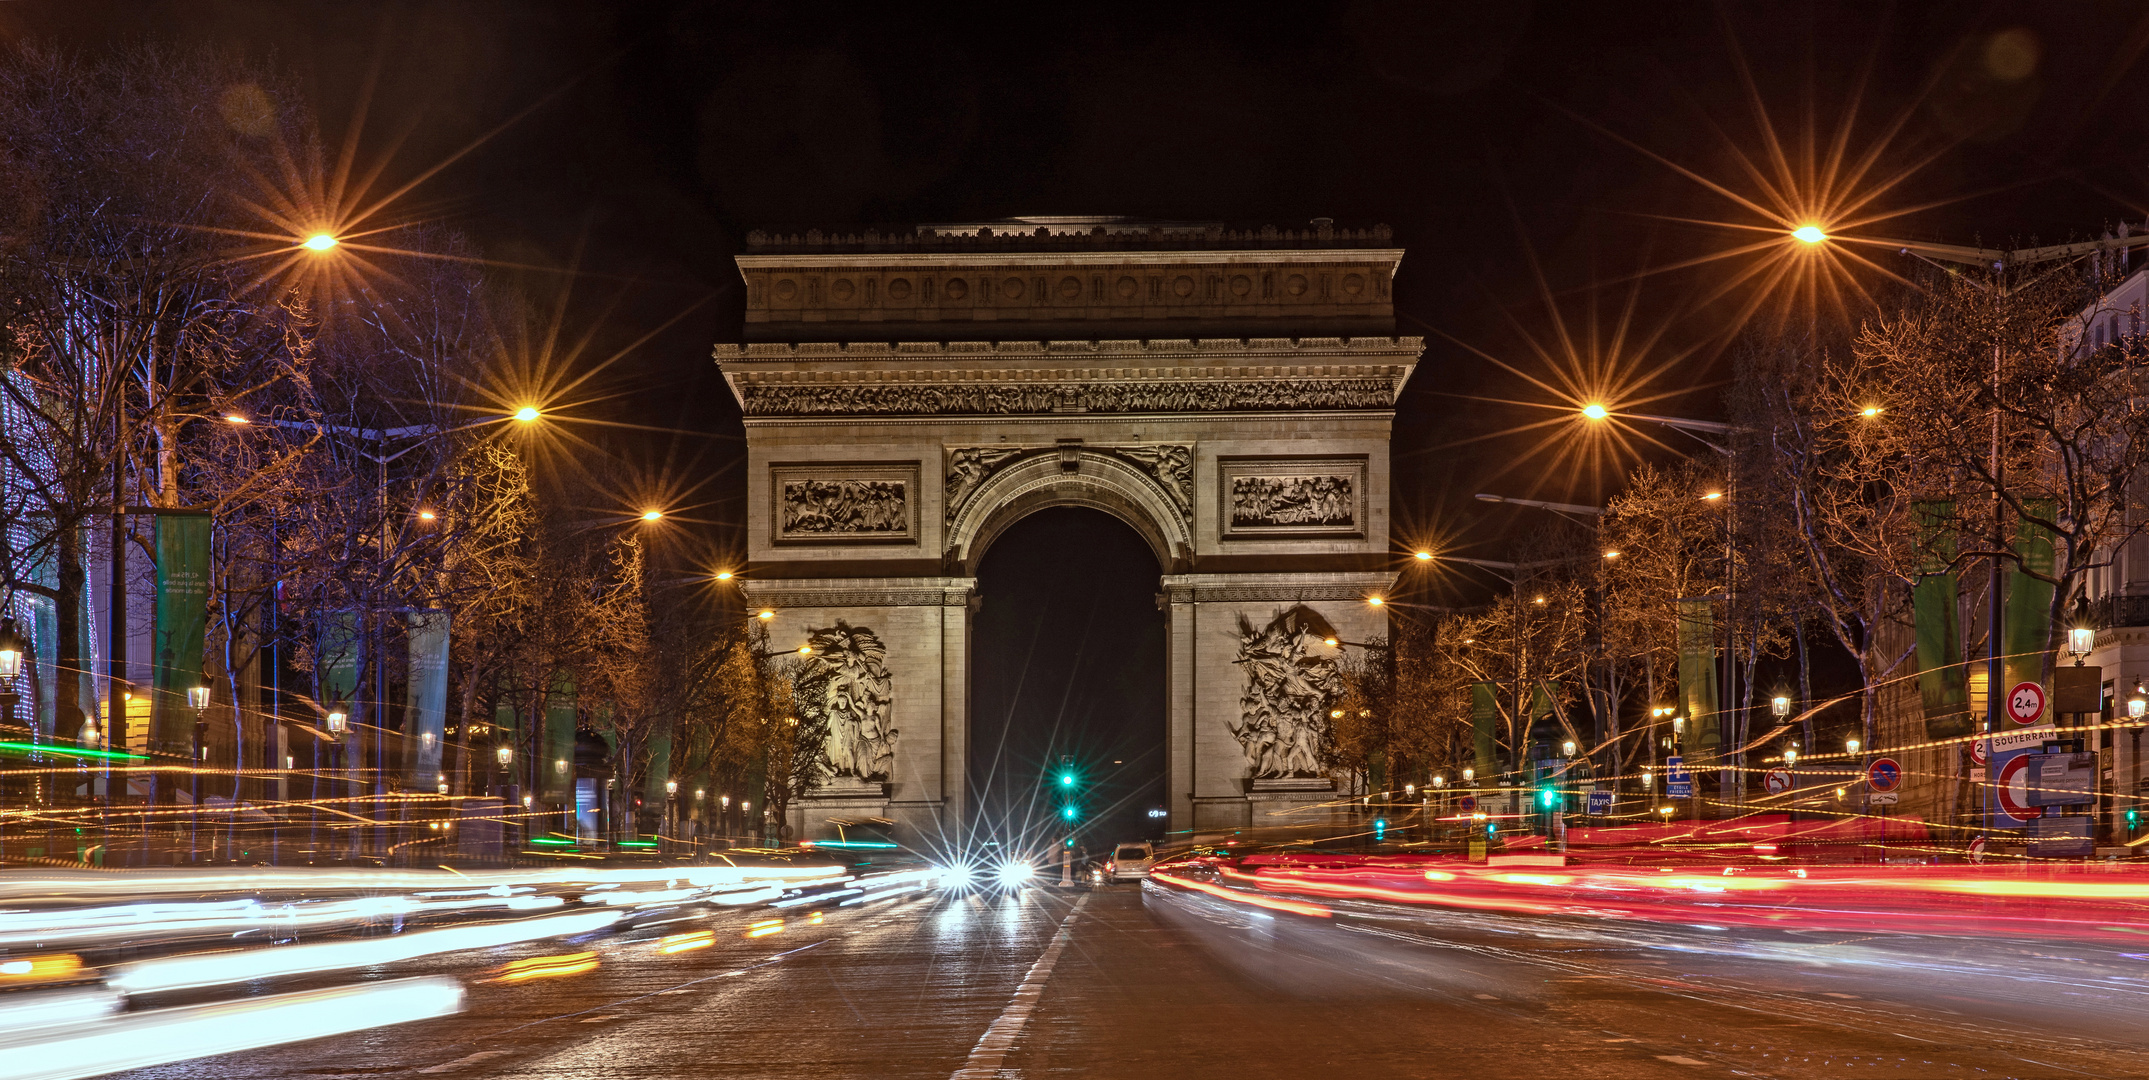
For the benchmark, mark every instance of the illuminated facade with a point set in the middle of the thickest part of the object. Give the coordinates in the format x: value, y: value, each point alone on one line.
x: 1227, y: 394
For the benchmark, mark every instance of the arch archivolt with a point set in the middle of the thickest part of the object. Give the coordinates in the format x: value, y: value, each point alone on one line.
x: 1134, y: 491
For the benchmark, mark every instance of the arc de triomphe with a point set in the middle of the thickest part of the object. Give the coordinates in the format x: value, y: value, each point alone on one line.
x: 1228, y: 394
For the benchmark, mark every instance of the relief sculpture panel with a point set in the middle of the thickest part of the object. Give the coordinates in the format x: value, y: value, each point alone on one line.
x: 1290, y: 682
x: 838, y: 503
x: 1295, y: 497
x: 848, y: 677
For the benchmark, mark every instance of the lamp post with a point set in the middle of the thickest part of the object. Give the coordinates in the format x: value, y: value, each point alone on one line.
x: 13, y: 648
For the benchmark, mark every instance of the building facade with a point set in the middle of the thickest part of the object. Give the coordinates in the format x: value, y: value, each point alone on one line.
x: 1227, y: 394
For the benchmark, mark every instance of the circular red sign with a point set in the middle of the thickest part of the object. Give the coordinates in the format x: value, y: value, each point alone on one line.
x: 1980, y: 752
x: 1778, y: 781
x: 1884, y: 774
x: 2025, y: 703
x: 2003, y: 787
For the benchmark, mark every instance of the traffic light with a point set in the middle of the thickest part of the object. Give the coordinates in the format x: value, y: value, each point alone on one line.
x: 1380, y: 828
x: 1067, y: 779
x: 1070, y: 812
x: 2134, y: 818
x: 1548, y: 797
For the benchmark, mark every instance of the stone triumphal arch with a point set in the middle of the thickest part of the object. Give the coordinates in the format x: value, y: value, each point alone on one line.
x: 1228, y: 394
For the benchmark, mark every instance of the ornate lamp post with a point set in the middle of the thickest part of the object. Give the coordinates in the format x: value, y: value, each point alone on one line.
x: 13, y: 648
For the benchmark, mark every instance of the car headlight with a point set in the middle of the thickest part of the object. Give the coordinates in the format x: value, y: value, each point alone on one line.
x: 1014, y: 875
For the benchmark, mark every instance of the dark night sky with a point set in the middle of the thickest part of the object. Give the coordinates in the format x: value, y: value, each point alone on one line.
x: 678, y: 126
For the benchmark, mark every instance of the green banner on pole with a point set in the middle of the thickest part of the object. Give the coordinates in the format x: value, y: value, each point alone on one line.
x: 1942, y: 685
x: 336, y: 662
x: 2026, y: 636
x: 1697, y: 672
x: 1544, y: 705
x: 556, y: 760
x: 658, y: 770
x: 182, y: 542
x: 425, y: 705
x: 1484, y: 723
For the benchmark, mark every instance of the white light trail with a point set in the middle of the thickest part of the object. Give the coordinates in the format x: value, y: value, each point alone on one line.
x: 163, y: 1036
x: 215, y: 969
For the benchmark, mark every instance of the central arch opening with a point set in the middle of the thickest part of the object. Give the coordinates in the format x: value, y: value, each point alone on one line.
x: 1067, y: 682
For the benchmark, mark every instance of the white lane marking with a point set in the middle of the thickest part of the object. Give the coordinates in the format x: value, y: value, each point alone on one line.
x: 985, y: 1057
x: 466, y: 1059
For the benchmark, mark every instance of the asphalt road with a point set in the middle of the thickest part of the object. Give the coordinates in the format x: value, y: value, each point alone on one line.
x: 1110, y: 984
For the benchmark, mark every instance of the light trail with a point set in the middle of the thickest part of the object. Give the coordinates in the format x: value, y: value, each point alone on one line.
x: 162, y: 1036
x: 188, y: 972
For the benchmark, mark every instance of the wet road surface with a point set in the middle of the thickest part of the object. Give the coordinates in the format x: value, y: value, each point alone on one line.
x: 1111, y: 984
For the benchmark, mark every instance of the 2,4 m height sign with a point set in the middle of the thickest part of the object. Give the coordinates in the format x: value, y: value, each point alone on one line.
x: 2026, y: 703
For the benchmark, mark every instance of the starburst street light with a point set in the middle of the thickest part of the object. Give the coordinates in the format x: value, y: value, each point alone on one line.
x: 1595, y: 411
x: 1810, y: 234
x: 320, y: 242
x: 652, y: 515
x: 527, y: 413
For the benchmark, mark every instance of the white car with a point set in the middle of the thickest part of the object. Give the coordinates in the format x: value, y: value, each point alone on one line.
x: 1130, y: 862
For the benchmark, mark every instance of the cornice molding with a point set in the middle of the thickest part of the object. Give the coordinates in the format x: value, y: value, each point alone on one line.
x: 1212, y: 349
x: 860, y: 592
x: 1274, y: 588
x: 808, y: 260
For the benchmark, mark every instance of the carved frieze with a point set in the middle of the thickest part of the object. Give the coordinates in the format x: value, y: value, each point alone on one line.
x: 761, y: 399
x: 843, y: 503
x: 1292, y: 497
x: 1170, y: 465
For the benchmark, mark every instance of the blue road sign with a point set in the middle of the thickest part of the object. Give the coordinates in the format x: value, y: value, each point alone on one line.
x: 1678, y: 783
x: 1600, y: 802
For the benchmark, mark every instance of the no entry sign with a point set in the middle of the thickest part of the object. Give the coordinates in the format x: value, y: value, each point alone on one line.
x: 2026, y: 703
x: 1778, y: 781
x: 1884, y: 775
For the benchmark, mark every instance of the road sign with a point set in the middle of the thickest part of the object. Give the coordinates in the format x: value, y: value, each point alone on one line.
x: 1600, y: 802
x: 2026, y: 703
x: 1980, y: 752
x: 1779, y: 781
x: 1884, y: 775
x: 1678, y: 783
x: 1977, y: 850
x: 2007, y: 790
x: 1880, y: 798
x: 1468, y: 805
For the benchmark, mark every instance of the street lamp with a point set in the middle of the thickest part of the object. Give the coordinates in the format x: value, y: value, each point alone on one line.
x: 1850, y: 746
x: 1567, y: 748
x: 2080, y: 641
x: 671, y: 787
x: 320, y: 242
x: 2138, y: 704
x: 1790, y: 756
x: 337, y: 723
x: 527, y: 414
x: 1469, y: 774
x: 505, y: 754
x: 1809, y: 234
x: 1780, y: 705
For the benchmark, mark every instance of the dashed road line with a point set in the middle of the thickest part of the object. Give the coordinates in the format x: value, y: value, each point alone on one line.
x: 992, y: 1047
x: 465, y: 1060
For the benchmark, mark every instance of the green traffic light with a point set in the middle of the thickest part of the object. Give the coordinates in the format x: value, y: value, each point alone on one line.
x: 1066, y: 779
x: 1067, y: 812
